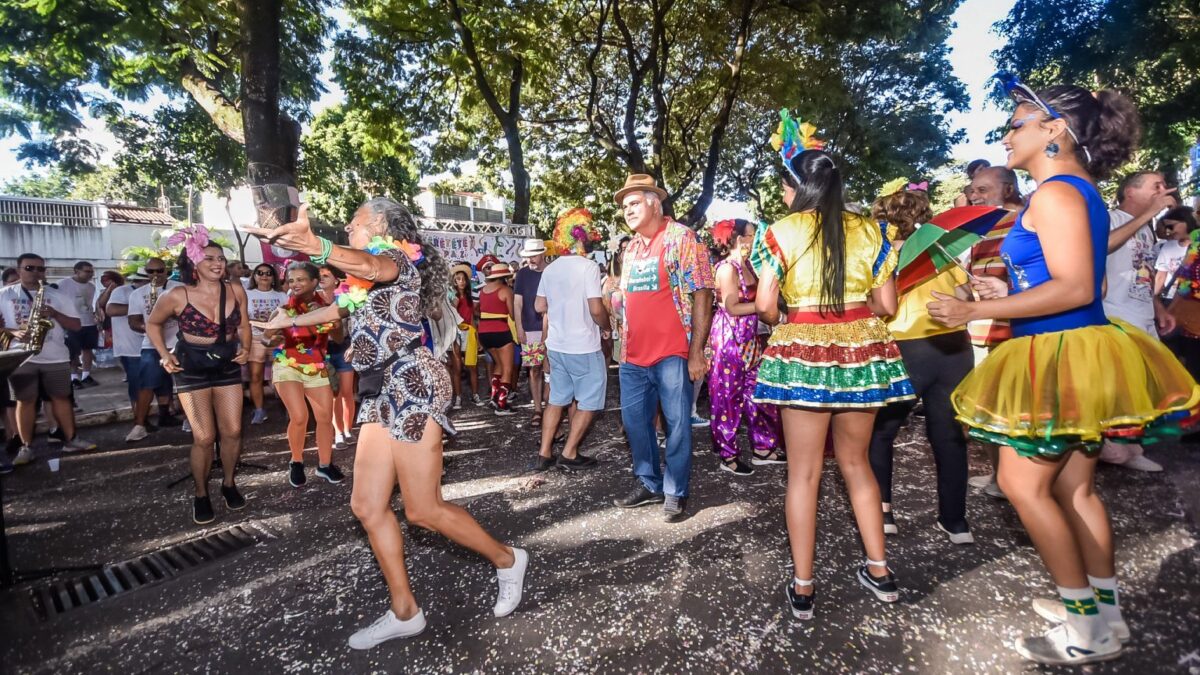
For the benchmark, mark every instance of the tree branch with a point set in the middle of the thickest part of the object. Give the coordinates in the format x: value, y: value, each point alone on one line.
x: 225, y: 114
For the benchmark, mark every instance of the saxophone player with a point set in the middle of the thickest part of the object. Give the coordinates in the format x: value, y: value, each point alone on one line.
x: 50, y: 366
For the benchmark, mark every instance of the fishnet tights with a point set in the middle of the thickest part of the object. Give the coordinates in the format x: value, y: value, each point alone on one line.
x: 211, y: 412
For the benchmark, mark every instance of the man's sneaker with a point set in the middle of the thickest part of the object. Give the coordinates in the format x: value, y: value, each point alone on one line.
x: 983, y: 481
x: 476, y: 400
x: 202, y: 511
x: 388, y: 627
x: 296, y: 474
x: 698, y: 421
x: 504, y: 409
x: 512, y: 584
x: 889, y: 523
x: 993, y: 490
x: 737, y: 467
x: 330, y: 472
x: 78, y: 444
x: 186, y: 427
x: 234, y: 500
x: 1142, y: 463
x: 76, y: 384
x: 339, y: 441
x: 956, y: 537
x: 674, y: 509
x: 166, y: 420
x: 802, y: 605
x: 1061, y: 646
x: 89, y: 381
x: 137, y: 433
x: 24, y: 456
x: 258, y: 416
x: 581, y: 461
x: 57, y: 435
x: 456, y: 402
x: 883, y: 587
x: 543, y: 463
x: 1054, y: 611
x: 639, y: 497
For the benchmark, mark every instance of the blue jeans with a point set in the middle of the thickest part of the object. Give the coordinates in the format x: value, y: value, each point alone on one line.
x: 642, y: 390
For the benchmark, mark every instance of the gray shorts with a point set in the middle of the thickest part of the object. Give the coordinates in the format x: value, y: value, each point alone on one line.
x: 52, y: 378
x: 578, y: 377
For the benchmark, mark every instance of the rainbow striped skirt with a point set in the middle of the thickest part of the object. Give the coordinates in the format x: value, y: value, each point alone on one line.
x: 832, y: 361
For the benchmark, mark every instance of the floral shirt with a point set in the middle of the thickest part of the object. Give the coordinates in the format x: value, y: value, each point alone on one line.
x: 688, y: 269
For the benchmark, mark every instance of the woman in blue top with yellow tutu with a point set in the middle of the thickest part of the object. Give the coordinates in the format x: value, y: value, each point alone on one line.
x: 830, y: 364
x: 1070, y: 377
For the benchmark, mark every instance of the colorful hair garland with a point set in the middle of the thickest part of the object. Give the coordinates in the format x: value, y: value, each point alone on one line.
x: 792, y: 137
x: 573, y: 229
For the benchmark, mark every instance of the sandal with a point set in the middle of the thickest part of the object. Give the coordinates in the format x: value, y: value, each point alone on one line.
x: 772, y: 457
x: 536, y: 421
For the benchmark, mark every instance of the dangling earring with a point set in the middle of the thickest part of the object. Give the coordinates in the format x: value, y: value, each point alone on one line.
x: 1052, y: 149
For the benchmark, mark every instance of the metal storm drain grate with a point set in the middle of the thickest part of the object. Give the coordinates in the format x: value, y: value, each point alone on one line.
x: 61, y: 596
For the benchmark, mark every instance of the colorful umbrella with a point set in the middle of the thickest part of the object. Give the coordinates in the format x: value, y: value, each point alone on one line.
x: 936, y: 246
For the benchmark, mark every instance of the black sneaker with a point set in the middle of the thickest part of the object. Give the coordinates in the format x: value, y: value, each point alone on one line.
x: 543, y: 463
x: 330, y: 473
x: 883, y: 587
x: 168, y: 420
x: 89, y: 381
x: 674, y: 509
x: 581, y: 461
x: 639, y: 497
x: 802, y: 605
x: 736, y: 467
x: 296, y: 474
x: 57, y: 435
x: 234, y: 500
x: 202, y: 511
x: 76, y: 384
x: 889, y: 523
x: 13, y: 445
x: 505, y: 410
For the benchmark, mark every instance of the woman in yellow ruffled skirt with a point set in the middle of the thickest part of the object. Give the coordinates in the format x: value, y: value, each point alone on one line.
x: 1070, y: 377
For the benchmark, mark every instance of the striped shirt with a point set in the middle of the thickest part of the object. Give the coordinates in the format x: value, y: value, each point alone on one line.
x: 986, y: 261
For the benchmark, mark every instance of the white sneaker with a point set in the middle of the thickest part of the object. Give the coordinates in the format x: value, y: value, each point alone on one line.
x: 983, y: 481
x: 957, y: 537
x: 78, y: 444
x: 388, y: 627
x: 137, y: 433
x: 456, y: 403
x: 1054, y: 611
x: 186, y: 427
x: 993, y: 490
x: 24, y: 456
x: 512, y: 583
x: 1142, y: 463
x: 1060, y: 646
x: 339, y: 441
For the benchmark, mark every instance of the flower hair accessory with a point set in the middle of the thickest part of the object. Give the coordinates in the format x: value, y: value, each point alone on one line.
x: 923, y: 186
x: 722, y: 231
x: 573, y: 228
x: 893, y: 186
x: 792, y: 137
x: 194, y: 238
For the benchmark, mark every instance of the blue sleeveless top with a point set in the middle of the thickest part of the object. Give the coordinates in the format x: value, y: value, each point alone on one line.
x: 1026, y: 263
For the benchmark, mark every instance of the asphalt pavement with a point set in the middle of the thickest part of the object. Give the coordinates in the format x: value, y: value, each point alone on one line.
x: 608, y: 590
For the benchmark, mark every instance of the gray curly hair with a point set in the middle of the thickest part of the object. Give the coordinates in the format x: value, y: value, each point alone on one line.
x: 400, y: 224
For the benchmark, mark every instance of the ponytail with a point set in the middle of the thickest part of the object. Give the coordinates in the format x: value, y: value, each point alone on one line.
x: 819, y: 189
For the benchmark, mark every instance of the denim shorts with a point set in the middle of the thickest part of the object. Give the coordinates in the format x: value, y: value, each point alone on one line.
x: 151, y: 374
x: 578, y: 377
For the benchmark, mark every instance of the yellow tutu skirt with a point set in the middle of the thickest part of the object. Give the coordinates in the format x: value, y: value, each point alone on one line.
x: 1049, y: 393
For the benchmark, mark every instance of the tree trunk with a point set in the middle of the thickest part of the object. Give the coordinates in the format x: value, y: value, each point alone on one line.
x: 272, y: 139
x: 516, y: 164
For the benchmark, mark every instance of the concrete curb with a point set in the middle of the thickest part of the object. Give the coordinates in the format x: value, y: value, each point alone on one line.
x: 95, y: 419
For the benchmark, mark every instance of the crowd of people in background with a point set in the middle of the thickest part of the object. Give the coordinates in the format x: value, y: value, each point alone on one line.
x: 797, y: 329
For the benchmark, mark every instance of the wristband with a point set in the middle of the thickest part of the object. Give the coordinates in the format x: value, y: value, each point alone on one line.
x: 326, y: 249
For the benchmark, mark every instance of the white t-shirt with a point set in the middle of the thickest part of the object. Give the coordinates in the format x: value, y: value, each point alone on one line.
x: 137, y: 305
x: 84, y: 297
x: 262, y: 305
x: 126, y: 341
x: 1170, y: 257
x: 1130, y: 276
x: 567, y: 284
x: 15, y: 303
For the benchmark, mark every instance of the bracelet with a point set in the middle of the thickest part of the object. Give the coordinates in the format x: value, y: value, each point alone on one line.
x: 326, y: 249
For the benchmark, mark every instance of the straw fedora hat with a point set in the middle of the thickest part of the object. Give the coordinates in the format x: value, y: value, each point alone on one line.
x: 500, y: 270
x: 464, y: 268
x: 532, y: 247
x: 639, y: 182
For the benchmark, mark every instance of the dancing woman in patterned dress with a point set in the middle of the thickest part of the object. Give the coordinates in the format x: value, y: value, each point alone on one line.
x: 392, y: 284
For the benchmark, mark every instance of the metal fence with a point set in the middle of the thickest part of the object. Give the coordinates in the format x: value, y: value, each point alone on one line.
x: 30, y: 211
x: 475, y: 227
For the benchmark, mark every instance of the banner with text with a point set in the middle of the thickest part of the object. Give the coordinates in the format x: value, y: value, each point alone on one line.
x: 455, y: 246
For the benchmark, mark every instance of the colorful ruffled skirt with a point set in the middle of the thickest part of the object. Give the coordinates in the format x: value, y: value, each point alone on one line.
x: 847, y: 361
x: 1053, y: 392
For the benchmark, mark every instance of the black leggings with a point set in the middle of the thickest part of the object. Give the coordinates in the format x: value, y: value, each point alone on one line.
x: 935, y: 365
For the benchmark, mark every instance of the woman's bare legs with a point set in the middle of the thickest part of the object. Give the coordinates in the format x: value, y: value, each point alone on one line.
x: 804, y: 434
x: 197, y: 405
x: 371, y: 501
x: 1075, y: 492
x: 292, y: 395
x: 227, y: 406
x: 321, y: 400
x: 256, y: 384
x: 851, y: 438
x: 455, y: 368
x: 343, y: 404
x: 1029, y: 484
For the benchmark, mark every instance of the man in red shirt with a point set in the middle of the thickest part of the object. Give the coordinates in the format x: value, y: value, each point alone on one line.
x: 667, y: 281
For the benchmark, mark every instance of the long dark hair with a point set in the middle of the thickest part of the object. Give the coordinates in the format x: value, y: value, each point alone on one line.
x: 1106, y: 123
x: 402, y: 226
x: 467, y: 291
x: 820, y: 190
x: 187, y: 268
x: 274, y: 276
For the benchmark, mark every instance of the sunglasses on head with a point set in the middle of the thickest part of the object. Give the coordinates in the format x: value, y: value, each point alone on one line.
x: 34, y: 268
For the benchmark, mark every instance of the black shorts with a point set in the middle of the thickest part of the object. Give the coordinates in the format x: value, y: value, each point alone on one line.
x: 495, y: 340
x: 229, y: 374
x: 87, y: 337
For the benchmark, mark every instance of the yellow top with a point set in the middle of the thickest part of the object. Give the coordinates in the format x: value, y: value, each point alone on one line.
x: 788, y: 248
x: 912, y: 317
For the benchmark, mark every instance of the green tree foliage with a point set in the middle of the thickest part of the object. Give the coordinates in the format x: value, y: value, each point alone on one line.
x: 54, y: 52
x: 347, y: 159
x: 52, y: 184
x: 1150, y: 49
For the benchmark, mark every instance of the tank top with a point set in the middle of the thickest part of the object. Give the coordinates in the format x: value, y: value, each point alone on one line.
x: 1026, y: 263
x: 490, y: 303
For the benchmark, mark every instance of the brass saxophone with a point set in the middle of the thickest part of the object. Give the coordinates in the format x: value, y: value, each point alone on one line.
x: 37, y: 327
x: 152, y: 299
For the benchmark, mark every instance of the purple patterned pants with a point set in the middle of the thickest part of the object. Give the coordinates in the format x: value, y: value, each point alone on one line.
x: 731, y: 380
